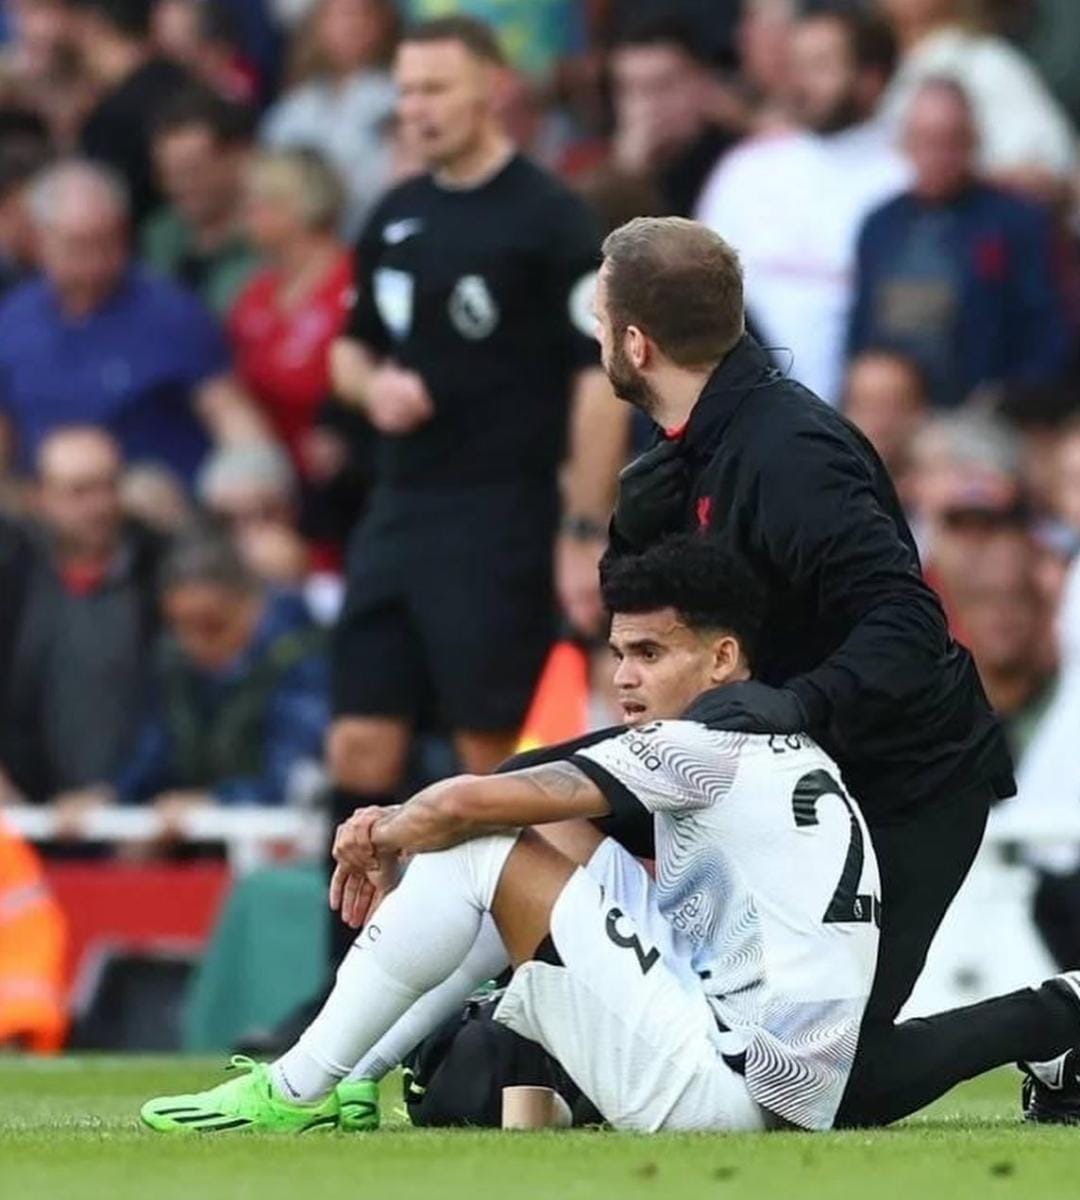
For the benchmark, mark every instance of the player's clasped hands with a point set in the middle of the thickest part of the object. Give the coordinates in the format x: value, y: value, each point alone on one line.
x: 353, y: 847
x: 363, y: 874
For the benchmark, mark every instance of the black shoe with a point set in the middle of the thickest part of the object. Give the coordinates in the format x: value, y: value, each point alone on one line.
x: 1050, y: 1093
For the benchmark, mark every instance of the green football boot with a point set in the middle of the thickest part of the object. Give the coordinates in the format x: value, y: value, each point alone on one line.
x: 358, y: 1100
x: 246, y: 1102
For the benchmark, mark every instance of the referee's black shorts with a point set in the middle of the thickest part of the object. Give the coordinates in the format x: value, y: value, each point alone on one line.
x: 450, y: 593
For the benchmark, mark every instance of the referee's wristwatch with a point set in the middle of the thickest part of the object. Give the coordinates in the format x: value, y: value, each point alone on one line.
x: 583, y: 529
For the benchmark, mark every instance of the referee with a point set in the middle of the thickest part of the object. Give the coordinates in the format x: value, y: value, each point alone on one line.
x: 855, y: 647
x: 470, y: 351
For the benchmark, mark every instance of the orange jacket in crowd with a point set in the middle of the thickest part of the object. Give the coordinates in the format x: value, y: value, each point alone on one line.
x: 33, y: 942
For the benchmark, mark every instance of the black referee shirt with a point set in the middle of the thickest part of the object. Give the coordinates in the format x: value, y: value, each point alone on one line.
x: 485, y: 293
x: 850, y: 626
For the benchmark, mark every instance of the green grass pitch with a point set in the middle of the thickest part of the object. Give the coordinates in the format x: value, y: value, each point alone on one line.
x: 68, y: 1129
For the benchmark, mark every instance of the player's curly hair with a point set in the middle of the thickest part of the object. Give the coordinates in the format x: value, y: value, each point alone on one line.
x: 707, y: 586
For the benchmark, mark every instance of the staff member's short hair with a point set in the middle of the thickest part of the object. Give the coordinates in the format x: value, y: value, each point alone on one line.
x: 678, y: 282
x: 479, y: 39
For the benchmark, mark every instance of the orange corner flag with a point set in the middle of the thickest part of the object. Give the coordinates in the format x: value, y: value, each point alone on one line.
x: 559, y: 709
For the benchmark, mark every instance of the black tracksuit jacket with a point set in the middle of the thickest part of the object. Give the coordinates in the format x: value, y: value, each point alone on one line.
x: 791, y: 486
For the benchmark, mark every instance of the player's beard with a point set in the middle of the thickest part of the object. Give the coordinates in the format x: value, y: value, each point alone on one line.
x: 629, y: 384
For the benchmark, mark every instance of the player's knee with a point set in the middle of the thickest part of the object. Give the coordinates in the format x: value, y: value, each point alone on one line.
x: 362, y: 758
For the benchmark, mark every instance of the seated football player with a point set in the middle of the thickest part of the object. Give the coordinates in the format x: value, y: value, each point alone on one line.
x: 726, y: 995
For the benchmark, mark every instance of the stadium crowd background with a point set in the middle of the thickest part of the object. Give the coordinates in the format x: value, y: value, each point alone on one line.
x: 177, y: 482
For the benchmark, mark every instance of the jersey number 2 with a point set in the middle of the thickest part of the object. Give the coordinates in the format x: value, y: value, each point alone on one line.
x: 847, y: 905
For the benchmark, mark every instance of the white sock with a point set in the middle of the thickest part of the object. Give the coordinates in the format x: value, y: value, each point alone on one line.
x: 485, y: 960
x: 420, y: 935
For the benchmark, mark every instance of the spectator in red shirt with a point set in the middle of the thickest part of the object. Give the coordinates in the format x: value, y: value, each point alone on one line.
x: 284, y: 320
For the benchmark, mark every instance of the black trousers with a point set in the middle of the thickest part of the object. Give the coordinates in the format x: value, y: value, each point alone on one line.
x: 924, y: 856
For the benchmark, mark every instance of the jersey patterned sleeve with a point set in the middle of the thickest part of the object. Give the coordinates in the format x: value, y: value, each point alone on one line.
x: 668, y: 766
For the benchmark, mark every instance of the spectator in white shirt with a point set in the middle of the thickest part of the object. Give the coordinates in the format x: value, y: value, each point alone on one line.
x: 1023, y: 131
x: 792, y: 202
x: 344, y: 111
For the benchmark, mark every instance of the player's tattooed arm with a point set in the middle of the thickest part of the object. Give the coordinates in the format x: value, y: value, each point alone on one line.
x: 472, y: 806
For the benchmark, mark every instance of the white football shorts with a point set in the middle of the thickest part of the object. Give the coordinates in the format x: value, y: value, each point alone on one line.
x: 625, y: 1014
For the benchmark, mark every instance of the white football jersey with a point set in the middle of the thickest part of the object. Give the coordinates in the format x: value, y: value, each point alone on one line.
x: 764, y: 866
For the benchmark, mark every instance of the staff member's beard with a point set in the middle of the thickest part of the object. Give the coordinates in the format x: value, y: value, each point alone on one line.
x: 630, y: 385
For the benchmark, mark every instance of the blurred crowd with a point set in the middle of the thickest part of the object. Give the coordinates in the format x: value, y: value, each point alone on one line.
x: 181, y: 186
